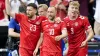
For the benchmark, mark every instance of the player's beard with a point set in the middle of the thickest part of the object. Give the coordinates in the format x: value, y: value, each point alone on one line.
x: 51, y: 18
x: 29, y: 15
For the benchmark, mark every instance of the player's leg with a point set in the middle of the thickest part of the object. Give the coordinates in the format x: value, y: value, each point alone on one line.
x: 44, y: 53
x: 71, y: 52
x: 82, y: 51
x: 58, y: 54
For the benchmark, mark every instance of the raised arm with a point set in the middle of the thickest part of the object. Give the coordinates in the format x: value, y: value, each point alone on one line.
x: 23, y: 3
x: 5, y: 14
x: 8, y: 9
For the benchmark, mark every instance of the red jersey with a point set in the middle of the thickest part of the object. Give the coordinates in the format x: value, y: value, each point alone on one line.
x: 76, y: 30
x: 30, y: 30
x: 2, y: 7
x: 2, y: 0
x: 50, y: 30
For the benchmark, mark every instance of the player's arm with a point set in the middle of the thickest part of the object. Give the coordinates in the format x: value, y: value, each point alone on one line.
x: 23, y: 3
x: 89, y: 31
x: 5, y: 14
x: 89, y: 37
x: 90, y: 34
x: 8, y: 9
x: 63, y: 35
x: 11, y: 33
x: 38, y: 45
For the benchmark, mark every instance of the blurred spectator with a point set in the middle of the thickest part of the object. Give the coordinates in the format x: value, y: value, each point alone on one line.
x: 97, y: 20
x: 3, y: 16
x: 14, y: 28
x: 91, y: 12
x: 61, y: 7
x: 30, y: 1
x: 42, y: 10
x: 83, y: 7
x: 14, y: 34
x: 47, y: 2
x: 15, y: 5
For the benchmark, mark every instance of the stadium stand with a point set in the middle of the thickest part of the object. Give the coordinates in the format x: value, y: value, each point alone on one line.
x: 3, y: 39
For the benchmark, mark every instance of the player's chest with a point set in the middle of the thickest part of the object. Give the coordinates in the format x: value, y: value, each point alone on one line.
x: 76, y: 25
x: 52, y: 28
x: 31, y: 26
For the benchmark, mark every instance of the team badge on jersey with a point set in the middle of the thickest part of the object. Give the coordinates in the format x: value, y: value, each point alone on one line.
x: 76, y: 23
x: 55, y: 25
x: 37, y: 23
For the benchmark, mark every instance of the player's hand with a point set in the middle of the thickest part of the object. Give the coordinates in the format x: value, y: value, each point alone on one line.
x: 35, y: 52
x: 83, y: 44
x: 58, y: 20
x: 57, y: 38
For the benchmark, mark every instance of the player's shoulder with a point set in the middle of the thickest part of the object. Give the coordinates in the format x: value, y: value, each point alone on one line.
x: 83, y: 17
x: 20, y: 14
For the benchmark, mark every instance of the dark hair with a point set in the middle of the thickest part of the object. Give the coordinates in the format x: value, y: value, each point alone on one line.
x: 22, y: 9
x: 33, y: 5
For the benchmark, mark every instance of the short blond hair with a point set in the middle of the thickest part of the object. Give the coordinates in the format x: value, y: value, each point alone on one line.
x: 74, y: 3
x: 44, y: 6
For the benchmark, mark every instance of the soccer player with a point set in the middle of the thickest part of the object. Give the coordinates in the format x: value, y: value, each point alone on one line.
x: 79, y: 31
x: 30, y: 28
x: 53, y: 32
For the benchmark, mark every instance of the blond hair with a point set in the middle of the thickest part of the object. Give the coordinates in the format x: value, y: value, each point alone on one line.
x: 74, y: 3
x: 44, y: 6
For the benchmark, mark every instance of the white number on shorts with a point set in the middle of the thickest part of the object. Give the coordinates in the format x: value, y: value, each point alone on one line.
x: 32, y: 27
x: 51, y: 31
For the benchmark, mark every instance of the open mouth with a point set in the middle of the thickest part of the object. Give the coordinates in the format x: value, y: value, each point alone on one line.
x: 73, y: 12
